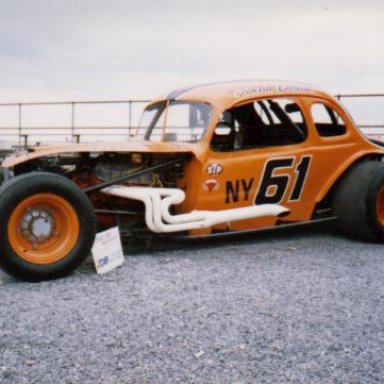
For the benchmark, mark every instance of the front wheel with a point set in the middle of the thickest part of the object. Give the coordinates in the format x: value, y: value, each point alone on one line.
x: 47, y: 226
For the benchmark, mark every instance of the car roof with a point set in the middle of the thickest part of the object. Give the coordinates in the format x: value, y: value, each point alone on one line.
x: 234, y: 92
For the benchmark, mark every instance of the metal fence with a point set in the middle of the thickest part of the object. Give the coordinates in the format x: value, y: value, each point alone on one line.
x: 25, y: 124
x: 367, y: 109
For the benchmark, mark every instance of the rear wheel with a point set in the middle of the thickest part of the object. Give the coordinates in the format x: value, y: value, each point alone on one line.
x: 47, y: 227
x: 359, y: 202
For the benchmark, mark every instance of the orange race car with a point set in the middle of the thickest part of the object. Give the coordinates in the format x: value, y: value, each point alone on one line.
x: 213, y: 160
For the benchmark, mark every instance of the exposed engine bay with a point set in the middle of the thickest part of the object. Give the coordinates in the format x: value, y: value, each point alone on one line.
x: 93, y: 171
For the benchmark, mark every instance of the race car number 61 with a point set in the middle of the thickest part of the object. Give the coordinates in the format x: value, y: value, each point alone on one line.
x: 273, y: 187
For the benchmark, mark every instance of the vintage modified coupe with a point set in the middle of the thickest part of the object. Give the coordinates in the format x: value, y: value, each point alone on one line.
x: 208, y: 160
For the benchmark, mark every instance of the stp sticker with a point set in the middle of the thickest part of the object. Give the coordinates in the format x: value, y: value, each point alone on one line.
x: 215, y: 169
x: 210, y: 185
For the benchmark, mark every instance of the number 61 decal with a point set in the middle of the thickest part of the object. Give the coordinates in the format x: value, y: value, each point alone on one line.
x: 273, y: 187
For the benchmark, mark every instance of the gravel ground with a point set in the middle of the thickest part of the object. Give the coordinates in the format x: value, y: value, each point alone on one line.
x: 296, y: 306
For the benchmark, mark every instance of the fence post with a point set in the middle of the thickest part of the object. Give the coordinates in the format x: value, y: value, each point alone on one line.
x: 73, y: 138
x: 130, y: 118
x: 19, y: 122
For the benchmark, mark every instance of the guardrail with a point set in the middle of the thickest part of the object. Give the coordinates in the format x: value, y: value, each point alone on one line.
x: 34, y: 123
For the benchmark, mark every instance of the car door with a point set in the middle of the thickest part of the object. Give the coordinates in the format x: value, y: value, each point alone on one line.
x: 266, y: 160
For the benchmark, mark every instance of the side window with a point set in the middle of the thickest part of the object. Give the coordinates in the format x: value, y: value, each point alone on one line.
x: 262, y: 123
x: 327, y: 121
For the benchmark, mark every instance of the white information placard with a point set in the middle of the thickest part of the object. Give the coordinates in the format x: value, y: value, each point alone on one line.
x: 107, y: 251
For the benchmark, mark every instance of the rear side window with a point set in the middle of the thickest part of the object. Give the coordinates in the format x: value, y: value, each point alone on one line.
x: 327, y: 121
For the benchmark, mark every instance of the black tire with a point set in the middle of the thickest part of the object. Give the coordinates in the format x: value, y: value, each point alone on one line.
x: 47, y: 226
x: 358, y: 202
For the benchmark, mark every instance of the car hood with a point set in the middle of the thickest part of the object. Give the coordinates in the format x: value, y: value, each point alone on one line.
x: 130, y: 146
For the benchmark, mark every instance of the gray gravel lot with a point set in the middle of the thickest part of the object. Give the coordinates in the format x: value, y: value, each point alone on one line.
x: 296, y: 306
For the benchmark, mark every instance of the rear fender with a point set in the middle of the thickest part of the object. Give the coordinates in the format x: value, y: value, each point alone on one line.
x: 343, y: 169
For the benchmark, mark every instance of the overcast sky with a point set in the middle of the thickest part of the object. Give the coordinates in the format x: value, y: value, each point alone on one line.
x: 120, y: 49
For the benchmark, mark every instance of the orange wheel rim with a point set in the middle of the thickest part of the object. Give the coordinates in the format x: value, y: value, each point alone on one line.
x: 43, y: 228
x: 380, y: 205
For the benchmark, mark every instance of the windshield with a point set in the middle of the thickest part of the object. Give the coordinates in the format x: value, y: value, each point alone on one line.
x: 175, y: 121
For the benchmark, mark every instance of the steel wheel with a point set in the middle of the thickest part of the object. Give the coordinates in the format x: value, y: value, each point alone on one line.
x: 43, y: 228
x: 380, y: 205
